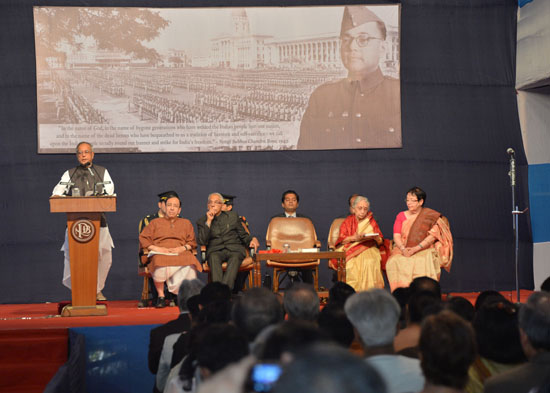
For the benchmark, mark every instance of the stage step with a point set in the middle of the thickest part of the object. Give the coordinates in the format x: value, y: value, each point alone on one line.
x: 30, y: 358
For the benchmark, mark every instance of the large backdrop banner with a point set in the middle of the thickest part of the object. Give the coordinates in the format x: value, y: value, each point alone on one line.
x: 218, y: 79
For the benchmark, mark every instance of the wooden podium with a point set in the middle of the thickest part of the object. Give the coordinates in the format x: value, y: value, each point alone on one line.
x: 83, y: 222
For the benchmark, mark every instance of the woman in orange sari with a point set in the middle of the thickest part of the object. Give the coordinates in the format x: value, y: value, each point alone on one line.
x: 422, y: 243
x: 360, y: 237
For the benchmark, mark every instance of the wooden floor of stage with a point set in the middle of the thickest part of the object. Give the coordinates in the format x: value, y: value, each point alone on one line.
x: 126, y: 312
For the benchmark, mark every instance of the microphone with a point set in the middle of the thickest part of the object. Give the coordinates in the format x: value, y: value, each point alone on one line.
x: 69, y: 184
x: 512, y: 172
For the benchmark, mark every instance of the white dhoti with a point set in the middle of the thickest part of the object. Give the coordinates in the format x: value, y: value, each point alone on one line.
x: 104, y: 262
x: 174, y: 276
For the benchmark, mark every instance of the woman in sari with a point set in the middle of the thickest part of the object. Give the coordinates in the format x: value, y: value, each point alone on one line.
x: 360, y: 237
x: 422, y: 243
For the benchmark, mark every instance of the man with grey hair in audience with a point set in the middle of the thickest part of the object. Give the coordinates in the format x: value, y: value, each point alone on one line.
x: 534, y: 331
x: 255, y: 310
x: 301, y: 303
x: 374, y: 315
x: 166, y: 335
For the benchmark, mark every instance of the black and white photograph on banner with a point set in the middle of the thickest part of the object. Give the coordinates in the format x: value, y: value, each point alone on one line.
x: 218, y: 79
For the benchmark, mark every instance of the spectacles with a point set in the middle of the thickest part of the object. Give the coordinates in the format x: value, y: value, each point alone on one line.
x: 411, y: 200
x: 361, y: 40
x: 215, y: 202
x: 82, y: 152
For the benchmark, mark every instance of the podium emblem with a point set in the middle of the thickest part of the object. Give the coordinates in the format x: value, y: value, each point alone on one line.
x: 83, y: 230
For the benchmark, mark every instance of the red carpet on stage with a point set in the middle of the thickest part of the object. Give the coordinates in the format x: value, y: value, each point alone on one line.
x: 44, y: 315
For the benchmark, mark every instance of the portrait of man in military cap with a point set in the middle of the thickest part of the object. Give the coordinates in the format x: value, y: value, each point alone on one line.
x: 362, y: 110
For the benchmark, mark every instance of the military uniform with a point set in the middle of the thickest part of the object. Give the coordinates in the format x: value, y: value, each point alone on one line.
x: 353, y: 115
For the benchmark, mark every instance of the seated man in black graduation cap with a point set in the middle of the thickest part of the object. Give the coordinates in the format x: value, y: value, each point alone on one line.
x: 163, y: 197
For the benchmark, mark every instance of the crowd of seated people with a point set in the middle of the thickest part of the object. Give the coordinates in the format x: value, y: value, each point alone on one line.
x: 357, y: 342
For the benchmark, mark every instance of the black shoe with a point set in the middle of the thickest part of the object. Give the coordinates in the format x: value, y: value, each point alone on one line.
x: 161, y: 302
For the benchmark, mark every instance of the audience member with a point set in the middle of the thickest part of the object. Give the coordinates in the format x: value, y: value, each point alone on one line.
x: 256, y: 309
x: 334, y: 323
x: 214, y: 347
x: 217, y: 346
x: 498, y: 343
x: 488, y: 297
x: 420, y: 304
x: 289, y: 337
x: 187, y: 290
x: 374, y: 315
x: 328, y: 369
x: 447, y: 349
x: 545, y: 286
x: 211, y: 305
x: 402, y: 295
x: 301, y: 302
x: 534, y: 325
x: 461, y: 306
x: 425, y: 284
x: 339, y: 293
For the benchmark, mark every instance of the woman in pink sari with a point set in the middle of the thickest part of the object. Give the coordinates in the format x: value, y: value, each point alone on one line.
x: 422, y: 243
x: 360, y: 237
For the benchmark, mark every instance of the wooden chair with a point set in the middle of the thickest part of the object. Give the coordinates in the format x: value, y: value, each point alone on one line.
x: 143, y: 271
x: 247, y: 264
x: 333, y: 234
x: 298, y: 233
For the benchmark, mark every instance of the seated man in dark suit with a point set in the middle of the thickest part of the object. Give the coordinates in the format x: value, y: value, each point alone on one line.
x: 290, y: 201
x: 225, y: 239
x: 228, y: 205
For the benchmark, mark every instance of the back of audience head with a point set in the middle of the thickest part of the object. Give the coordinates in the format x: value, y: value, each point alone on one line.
x: 422, y: 304
x: 488, y: 297
x: 219, y: 345
x: 218, y: 311
x: 545, y: 286
x: 214, y: 291
x: 188, y: 289
x: 447, y: 349
x: 256, y: 309
x: 425, y: 284
x: 374, y: 314
x: 497, y: 333
x: 288, y: 338
x: 193, y: 305
x: 461, y: 306
x: 334, y: 323
x: 402, y: 295
x: 534, y: 322
x: 301, y: 302
x: 329, y: 369
x: 339, y: 293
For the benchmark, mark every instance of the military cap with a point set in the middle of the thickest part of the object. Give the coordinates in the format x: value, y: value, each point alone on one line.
x: 355, y: 15
x: 228, y: 199
x: 163, y: 196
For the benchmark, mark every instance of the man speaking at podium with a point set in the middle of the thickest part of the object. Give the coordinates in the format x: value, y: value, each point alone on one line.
x: 88, y: 179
